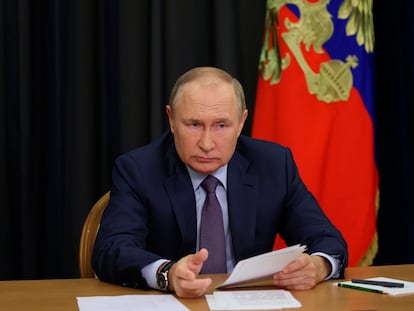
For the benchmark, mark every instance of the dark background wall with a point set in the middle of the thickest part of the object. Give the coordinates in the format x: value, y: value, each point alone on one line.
x: 82, y: 81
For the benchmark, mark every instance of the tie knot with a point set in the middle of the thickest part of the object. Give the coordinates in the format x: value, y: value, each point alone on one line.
x: 209, y: 184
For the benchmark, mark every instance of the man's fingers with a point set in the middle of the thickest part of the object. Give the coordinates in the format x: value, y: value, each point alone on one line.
x: 185, y: 271
x: 199, y: 258
x: 193, y: 288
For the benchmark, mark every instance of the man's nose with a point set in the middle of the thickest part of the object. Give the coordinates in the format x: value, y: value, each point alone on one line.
x: 206, y: 140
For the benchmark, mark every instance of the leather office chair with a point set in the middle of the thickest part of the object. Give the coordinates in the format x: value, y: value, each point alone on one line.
x: 88, y: 236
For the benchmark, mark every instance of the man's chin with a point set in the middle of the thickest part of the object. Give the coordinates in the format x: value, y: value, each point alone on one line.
x: 205, y: 168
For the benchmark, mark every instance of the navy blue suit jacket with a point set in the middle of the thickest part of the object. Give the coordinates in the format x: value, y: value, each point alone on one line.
x: 152, y: 215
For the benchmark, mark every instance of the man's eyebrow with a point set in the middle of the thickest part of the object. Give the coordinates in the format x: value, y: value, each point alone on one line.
x: 191, y: 120
x: 223, y: 120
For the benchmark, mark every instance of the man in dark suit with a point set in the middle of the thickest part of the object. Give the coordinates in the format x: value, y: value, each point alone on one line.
x: 149, y: 234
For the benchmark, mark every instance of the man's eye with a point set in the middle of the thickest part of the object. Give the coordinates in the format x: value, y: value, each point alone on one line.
x: 221, y: 125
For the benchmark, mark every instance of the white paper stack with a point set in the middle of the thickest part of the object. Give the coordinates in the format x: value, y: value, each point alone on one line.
x: 252, y: 300
x: 262, y: 266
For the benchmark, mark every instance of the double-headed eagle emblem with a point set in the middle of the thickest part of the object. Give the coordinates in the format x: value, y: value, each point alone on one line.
x: 314, y: 27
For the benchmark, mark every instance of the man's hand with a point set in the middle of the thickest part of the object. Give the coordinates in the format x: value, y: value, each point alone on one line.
x: 183, y: 275
x: 303, y: 273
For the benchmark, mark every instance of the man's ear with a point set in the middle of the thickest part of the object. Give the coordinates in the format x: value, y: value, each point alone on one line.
x: 169, y: 111
x: 243, y: 120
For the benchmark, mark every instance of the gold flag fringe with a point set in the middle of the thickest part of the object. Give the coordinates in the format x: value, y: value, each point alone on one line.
x: 372, y: 251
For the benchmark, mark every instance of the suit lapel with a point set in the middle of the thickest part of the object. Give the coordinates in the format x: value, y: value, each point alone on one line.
x: 242, y: 198
x: 180, y: 191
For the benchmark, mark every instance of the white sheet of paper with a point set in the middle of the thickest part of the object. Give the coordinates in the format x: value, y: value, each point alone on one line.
x: 252, y: 300
x: 394, y: 291
x: 261, y: 266
x: 130, y: 303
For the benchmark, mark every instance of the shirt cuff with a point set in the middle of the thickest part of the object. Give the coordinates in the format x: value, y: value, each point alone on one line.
x: 149, y: 272
x: 334, y: 264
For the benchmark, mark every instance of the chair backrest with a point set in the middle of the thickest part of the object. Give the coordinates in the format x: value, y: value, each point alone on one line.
x: 88, y: 236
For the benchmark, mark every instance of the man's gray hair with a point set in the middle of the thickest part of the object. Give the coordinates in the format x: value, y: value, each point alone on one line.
x: 201, y: 72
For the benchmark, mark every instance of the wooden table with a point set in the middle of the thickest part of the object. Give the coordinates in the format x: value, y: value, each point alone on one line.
x: 60, y: 294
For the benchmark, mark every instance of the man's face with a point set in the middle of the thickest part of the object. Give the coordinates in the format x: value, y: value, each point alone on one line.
x: 206, y: 123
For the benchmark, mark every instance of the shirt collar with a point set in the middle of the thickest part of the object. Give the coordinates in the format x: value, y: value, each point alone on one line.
x: 197, y: 178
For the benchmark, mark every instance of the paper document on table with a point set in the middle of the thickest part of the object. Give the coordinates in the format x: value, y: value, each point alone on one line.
x: 262, y: 266
x: 131, y: 302
x: 252, y: 300
x: 393, y: 291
